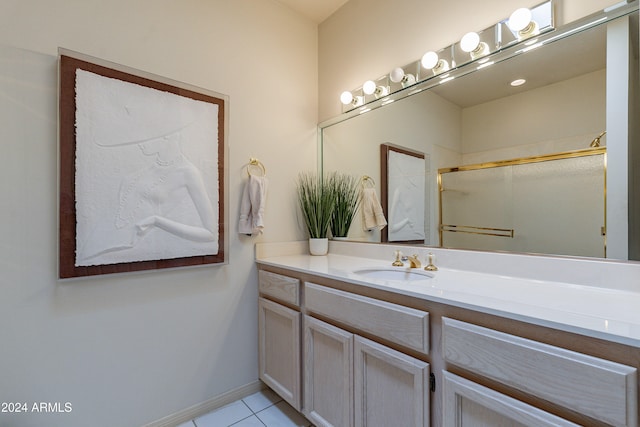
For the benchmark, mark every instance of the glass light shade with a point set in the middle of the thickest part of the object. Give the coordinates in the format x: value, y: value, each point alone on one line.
x: 396, y: 75
x: 346, y: 97
x: 429, y: 60
x: 470, y: 42
x: 520, y: 19
x: 369, y: 87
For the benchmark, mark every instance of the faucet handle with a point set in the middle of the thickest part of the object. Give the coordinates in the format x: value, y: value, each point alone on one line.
x: 398, y: 262
x: 431, y: 266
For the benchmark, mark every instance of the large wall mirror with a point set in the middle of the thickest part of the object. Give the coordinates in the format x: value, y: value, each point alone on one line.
x: 545, y: 167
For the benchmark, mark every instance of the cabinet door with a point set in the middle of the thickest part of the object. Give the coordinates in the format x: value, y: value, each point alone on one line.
x: 469, y: 404
x: 328, y: 376
x: 391, y: 388
x: 279, y: 348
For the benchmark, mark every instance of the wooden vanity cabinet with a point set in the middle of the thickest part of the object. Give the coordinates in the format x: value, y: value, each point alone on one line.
x: 348, y: 380
x: 367, y: 356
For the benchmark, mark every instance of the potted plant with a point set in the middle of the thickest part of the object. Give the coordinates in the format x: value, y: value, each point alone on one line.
x: 347, y: 197
x: 317, y: 200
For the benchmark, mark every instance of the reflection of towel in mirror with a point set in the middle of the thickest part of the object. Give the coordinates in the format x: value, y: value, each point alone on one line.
x: 252, y: 205
x: 372, y: 215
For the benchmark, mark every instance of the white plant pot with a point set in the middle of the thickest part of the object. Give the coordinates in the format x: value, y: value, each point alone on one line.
x: 318, y: 246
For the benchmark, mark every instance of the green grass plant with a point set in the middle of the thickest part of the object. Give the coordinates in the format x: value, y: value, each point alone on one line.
x: 317, y: 200
x: 347, y: 198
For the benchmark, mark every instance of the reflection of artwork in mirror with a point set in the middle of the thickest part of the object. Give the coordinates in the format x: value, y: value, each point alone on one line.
x: 141, y: 162
x: 403, y: 194
x: 553, y: 204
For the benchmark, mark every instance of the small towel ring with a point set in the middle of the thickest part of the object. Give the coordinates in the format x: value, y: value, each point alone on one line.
x: 256, y: 164
x: 368, y: 182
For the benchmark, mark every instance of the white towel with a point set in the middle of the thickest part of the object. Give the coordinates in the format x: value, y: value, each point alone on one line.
x: 372, y: 215
x: 252, y: 205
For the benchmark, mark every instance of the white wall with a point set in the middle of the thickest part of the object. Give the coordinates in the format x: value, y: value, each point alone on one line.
x: 365, y: 39
x: 129, y: 349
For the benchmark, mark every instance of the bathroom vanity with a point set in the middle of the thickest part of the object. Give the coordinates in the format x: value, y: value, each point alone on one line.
x: 346, y: 342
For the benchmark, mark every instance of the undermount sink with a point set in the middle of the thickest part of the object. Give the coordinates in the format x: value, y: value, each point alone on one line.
x: 390, y: 273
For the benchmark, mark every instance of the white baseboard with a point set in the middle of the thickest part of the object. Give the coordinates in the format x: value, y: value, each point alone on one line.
x: 195, y: 411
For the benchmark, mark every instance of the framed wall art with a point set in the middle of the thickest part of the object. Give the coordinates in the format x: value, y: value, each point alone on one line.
x: 141, y: 170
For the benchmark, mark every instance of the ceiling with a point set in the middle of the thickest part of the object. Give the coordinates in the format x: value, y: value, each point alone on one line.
x: 316, y: 10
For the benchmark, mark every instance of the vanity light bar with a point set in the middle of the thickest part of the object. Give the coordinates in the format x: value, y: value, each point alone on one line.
x: 522, y: 25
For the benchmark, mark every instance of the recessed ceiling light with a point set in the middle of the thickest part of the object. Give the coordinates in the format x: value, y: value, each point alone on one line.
x: 518, y: 82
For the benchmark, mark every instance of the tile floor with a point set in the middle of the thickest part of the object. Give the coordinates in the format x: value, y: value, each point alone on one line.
x: 262, y: 409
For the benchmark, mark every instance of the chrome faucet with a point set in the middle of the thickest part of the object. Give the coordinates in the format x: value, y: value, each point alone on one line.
x: 414, y: 262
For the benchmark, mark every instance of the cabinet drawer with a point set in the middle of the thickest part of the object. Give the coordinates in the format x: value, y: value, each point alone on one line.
x: 405, y: 326
x: 599, y: 388
x: 283, y: 288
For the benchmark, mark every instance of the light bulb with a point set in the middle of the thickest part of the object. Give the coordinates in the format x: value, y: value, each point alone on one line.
x: 369, y: 87
x: 396, y: 75
x: 346, y: 97
x: 520, y: 19
x: 429, y: 60
x: 522, y: 24
x: 470, y: 42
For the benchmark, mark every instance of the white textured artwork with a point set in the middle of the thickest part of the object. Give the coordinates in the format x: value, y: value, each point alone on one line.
x: 406, y: 197
x: 146, y: 173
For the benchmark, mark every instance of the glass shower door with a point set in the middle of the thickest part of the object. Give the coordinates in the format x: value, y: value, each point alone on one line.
x: 552, y: 206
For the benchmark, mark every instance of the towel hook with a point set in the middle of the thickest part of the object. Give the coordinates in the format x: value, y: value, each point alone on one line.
x: 256, y: 163
x: 368, y: 182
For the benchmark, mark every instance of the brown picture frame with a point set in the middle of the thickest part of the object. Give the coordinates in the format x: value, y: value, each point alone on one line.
x: 69, y: 62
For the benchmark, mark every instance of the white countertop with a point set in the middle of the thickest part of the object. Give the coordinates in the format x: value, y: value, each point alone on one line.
x: 607, y: 313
